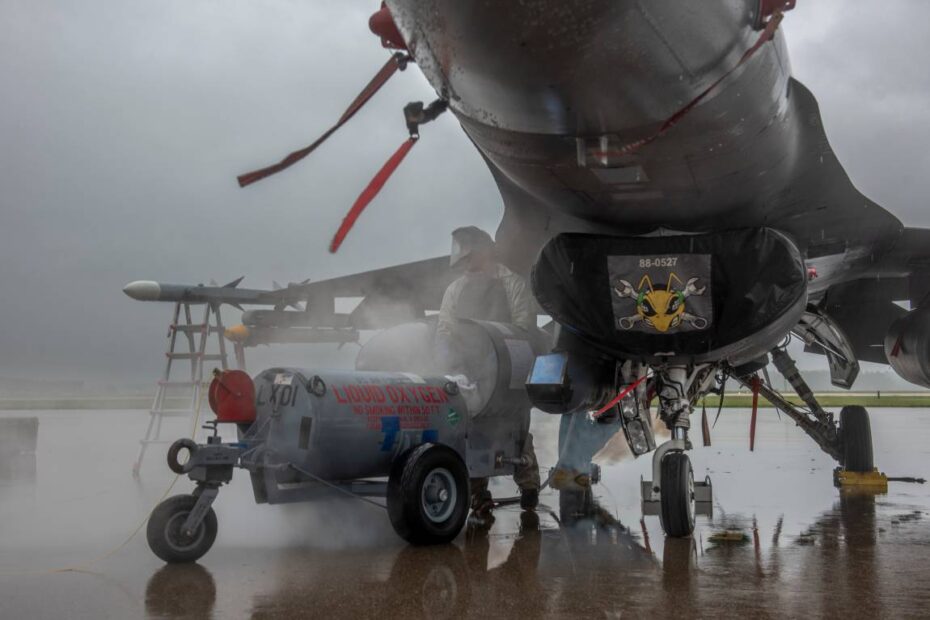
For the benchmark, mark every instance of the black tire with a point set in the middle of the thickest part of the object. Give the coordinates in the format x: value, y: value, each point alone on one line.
x: 856, y: 439
x: 677, y: 513
x: 418, y: 518
x: 164, y: 531
x: 185, y: 443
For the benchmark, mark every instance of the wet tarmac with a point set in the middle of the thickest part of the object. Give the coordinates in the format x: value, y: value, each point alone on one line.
x: 795, y: 546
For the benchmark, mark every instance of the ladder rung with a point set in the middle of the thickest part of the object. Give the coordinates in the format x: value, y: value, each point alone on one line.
x: 196, y: 328
x: 185, y: 327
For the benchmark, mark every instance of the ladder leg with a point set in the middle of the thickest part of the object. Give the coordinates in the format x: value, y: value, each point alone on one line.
x: 190, y: 340
x: 222, y: 338
x: 157, y: 427
x: 153, y: 431
x: 137, y: 466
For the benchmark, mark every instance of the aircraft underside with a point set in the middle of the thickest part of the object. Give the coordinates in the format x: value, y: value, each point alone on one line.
x: 685, y: 211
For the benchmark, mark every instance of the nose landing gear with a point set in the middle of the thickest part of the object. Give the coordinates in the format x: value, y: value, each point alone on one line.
x: 672, y: 494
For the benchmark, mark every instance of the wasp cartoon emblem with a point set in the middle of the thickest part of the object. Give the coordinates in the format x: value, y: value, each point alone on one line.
x: 660, y: 308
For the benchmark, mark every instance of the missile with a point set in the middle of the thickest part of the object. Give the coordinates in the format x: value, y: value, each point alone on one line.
x: 148, y: 290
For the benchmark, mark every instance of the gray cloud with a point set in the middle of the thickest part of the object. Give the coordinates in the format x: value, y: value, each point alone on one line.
x: 125, y: 123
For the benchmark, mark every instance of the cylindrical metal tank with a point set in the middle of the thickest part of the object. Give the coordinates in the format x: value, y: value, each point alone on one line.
x: 907, y: 346
x: 341, y: 425
x: 495, y: 357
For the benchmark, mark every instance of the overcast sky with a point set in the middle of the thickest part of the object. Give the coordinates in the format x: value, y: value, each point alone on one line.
x: 125, y: 122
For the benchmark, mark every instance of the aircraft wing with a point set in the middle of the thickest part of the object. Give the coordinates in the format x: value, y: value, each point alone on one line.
x: 426, y: 279
x: 388, y: 295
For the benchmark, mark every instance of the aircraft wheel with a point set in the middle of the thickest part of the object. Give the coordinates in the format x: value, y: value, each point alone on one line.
x: 164, y: 531
x: 428, y: 495
x: 677, y: 514
x: 856, y: 439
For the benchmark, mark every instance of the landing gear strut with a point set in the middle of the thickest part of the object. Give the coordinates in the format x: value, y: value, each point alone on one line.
x: 849, y: 443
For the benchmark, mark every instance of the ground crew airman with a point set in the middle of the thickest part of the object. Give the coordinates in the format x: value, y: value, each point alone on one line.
x: 487, y: 291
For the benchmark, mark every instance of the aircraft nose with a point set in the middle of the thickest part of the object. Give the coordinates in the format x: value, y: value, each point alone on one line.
x: 143, y: 290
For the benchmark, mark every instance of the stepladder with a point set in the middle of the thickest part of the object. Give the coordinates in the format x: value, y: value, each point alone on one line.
x: 181, y: 388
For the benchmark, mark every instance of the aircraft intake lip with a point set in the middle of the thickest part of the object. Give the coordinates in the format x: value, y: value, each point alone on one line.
x: 143, y: 290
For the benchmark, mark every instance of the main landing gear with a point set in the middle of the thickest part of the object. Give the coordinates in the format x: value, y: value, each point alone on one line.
x: 849, y: 442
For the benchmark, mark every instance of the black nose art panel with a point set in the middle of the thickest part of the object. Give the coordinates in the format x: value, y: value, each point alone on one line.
x: 684, y: 296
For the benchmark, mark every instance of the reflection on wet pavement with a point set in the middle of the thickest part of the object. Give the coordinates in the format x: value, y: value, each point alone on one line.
x: 18, y: 441
x: 782, y: 542
x: 588, y: 567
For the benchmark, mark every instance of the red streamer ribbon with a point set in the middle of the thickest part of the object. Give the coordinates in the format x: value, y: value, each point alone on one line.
x: 370, y: 192
x: 619, y: 396
x: 383, y: 75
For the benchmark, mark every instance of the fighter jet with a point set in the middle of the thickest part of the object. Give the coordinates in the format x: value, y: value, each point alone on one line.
x: 672, y: 196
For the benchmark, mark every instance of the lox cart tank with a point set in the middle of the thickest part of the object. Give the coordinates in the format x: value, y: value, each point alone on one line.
x: 414, y: 438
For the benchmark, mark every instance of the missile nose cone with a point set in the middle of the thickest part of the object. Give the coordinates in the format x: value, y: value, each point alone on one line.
x: 143, y: 290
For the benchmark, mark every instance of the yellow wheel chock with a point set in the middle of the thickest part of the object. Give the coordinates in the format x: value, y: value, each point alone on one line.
x: 871, y: 480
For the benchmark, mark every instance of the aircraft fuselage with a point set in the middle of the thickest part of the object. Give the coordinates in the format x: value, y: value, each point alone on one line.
x: 551, y: 91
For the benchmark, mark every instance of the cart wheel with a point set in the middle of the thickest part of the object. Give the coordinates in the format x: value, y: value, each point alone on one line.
x: 856, y: 439
x: 428, y: 495
x: 677, y: 513
x: 164, y: 531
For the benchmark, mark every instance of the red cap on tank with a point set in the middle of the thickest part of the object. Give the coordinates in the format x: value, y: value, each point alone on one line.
x: 232, y: 397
